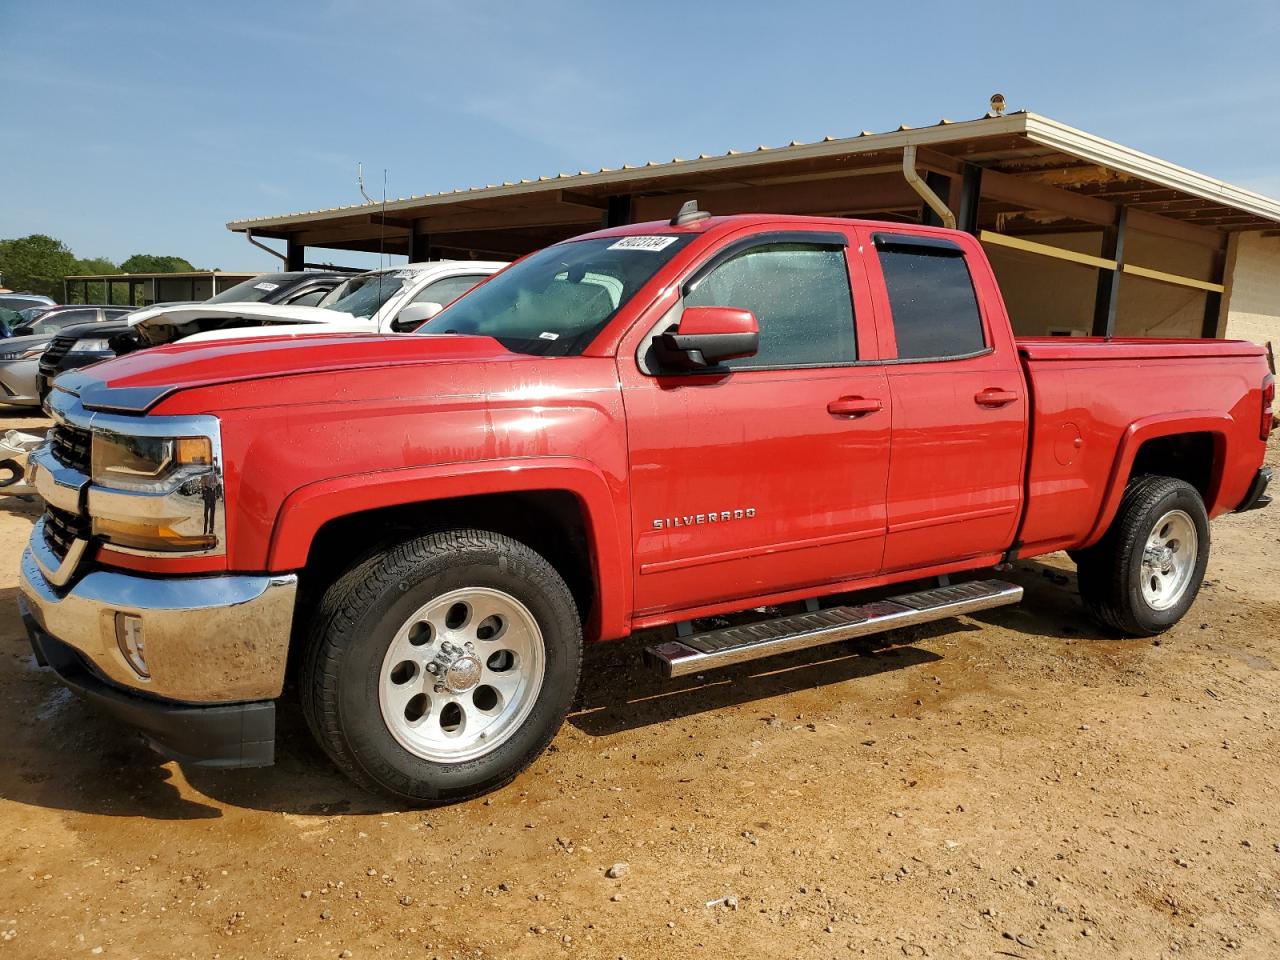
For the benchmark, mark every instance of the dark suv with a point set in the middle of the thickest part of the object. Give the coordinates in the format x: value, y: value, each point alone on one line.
x: 88, y: 343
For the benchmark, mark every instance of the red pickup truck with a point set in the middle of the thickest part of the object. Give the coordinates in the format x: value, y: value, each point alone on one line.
x: 633, y: 429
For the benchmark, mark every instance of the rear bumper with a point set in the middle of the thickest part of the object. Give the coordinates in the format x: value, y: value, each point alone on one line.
x: 1257, y: 496
x: 224, y: 735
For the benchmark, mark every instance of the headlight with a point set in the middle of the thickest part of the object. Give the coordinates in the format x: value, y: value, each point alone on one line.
x: 159, y: 493
x: 148, y: 464
x: 98, y: 345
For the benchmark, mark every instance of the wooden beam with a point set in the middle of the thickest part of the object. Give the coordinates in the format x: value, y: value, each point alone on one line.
x: 1037, y: 196
x: 383, y: 221
x: 575, y: 199
x: 1045, y: 250
x: 1146, y: 222
x: 1173, y: 278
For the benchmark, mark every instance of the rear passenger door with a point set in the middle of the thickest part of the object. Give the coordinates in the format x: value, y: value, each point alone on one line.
x: 958, y: 400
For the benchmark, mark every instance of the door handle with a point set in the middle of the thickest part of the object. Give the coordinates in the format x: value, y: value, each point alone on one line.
x: 854, y: 406
x: 994, y: 397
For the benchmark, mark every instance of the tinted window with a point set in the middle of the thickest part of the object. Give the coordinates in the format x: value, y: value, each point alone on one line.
x: 800, y: 296
x: 445, y: 291
x: 935, y: 311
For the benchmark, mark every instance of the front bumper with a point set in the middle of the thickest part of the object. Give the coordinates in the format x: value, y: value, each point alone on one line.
x: 215, y: 652
x: 226, y: 735
x: 18, y: 382
x: 207, y: 639
x: 1257, y: 496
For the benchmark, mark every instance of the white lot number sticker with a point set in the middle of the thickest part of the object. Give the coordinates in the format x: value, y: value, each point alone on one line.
x: 266, y: 286
x: 548, y: 335
x: 643, y: 243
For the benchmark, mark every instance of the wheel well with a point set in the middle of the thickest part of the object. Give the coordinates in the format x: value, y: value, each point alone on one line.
x: 552, y: 522
x: 1186, y: 456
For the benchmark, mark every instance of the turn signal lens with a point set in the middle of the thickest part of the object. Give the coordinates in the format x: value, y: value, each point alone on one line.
x: 149, y: 535
x: 195, y: 451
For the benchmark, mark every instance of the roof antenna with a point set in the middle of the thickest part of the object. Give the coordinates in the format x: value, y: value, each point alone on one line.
x: 360, y: 183
x: 689, y: 213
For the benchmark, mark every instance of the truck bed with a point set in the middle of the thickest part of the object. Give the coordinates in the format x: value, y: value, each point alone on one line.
x: 1100, y: 406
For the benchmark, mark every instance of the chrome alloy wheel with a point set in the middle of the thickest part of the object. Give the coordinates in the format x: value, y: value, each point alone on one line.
x: 461, y: 675
x: 1169, y: 560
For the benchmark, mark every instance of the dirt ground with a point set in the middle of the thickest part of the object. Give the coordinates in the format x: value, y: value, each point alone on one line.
x: 1008, y: 785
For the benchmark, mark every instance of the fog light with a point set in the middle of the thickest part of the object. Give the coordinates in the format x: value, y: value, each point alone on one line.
x: 129, y: 639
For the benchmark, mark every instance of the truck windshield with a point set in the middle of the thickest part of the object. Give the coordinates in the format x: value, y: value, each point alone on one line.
x: 554, y: 302
x: 363, y: 296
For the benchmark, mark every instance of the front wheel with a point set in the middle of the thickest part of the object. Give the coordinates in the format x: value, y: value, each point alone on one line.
x: 1146, y: 571
x: 440, y: 668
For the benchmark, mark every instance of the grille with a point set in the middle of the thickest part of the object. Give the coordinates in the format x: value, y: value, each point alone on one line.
x: 71, y: 446
x: 54, y: 353
x: 60, y: 528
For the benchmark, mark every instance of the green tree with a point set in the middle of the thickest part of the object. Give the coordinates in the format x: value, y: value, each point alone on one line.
x: 150, y: 263
x: 36, y: 263
x: 97, y: 266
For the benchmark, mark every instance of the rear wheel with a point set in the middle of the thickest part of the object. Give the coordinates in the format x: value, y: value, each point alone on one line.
x: 439, y: 669
x: 1146, y: 571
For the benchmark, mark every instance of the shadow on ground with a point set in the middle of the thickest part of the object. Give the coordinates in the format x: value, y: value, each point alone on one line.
x: 56, y: 752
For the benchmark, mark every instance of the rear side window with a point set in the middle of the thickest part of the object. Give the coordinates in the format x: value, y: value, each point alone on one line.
x: 800, y: 296
x: 935, y: 309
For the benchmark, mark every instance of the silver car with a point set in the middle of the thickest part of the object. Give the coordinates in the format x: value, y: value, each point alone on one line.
x: 20, y: 355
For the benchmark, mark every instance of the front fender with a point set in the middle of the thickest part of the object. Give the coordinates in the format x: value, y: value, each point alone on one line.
x: 309, y: 508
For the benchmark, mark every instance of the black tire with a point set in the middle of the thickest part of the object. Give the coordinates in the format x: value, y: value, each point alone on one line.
x: 1110, y: 572
x: 357, y: 619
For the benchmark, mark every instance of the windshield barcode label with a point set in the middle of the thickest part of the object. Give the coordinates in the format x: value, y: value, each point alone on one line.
x: 643, y: 243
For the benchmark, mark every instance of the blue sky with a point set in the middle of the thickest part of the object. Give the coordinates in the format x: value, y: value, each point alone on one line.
x: 144, y: 127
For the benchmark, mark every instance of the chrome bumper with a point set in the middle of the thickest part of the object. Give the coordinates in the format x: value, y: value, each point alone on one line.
x: 212, y: 639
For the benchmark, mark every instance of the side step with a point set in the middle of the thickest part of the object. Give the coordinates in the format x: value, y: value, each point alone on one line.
x: 752, y: 641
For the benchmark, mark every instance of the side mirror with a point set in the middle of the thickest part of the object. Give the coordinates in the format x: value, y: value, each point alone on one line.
x: 415, y: 315
x: 706, y: 336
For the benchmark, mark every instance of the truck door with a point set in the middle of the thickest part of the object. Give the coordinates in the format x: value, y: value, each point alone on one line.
x: 767, y: 473
x: 959, y: 399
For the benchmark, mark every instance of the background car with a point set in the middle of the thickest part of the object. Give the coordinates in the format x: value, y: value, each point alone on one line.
x: 77, y: 347
x: 20, y: 354
x: 20, y: 301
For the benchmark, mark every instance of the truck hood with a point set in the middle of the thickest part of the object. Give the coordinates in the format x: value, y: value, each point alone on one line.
x: 138, y: 381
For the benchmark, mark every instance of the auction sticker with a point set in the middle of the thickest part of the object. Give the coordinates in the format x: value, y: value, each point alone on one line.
x: 643, y: 243
x: 264, y: 285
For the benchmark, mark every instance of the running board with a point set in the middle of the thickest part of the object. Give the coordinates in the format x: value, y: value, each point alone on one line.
x: 752, y: 641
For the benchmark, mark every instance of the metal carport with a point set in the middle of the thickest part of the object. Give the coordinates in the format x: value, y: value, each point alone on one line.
x: 1122, y: 242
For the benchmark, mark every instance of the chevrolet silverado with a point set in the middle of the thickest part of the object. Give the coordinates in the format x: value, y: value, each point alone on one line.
x: 639, y: 428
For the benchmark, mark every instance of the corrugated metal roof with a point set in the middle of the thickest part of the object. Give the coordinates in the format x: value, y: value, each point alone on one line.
x: 1039, y: 130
